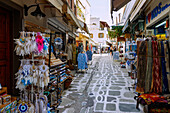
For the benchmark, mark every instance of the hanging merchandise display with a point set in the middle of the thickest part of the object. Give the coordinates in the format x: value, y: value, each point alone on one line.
x: 152, y: 73
x: 82, y: 61
x: 40, y: 74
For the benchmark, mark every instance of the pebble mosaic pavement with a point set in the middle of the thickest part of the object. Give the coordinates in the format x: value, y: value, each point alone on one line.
x: 103, y: 89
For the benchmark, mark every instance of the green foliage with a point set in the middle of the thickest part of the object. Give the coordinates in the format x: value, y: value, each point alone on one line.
x: 116, y: 33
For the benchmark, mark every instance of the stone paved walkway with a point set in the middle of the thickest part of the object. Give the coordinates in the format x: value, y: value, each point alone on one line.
x: 103, y: 89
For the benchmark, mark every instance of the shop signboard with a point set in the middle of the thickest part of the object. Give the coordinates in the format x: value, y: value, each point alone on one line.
x: 156, y: 11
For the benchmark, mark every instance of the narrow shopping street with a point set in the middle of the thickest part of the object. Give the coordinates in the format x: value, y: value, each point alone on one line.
x: 103, y: 89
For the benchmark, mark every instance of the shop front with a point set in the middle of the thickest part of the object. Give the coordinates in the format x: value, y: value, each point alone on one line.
x: 32, y: 47
x: 157, y: 19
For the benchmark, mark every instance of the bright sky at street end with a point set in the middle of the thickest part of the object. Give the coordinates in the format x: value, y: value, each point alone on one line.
x: 101, y: 9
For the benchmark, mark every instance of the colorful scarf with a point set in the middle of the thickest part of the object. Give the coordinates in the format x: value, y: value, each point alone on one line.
x: 148, y: 78
x: 166, y: 52
x: 160, y: 65
x: 156, y: 81
x: 141, y: 66
x: 164, y: 74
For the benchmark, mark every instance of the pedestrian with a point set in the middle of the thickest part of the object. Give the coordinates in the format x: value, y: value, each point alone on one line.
x: 114, y: 49
x: 102, y: 51
x: 111, y: 51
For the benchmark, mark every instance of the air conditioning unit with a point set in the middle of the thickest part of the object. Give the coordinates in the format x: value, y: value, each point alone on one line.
x: 149, y: 32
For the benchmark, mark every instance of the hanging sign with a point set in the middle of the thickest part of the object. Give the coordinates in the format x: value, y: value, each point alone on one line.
x: 156, y: 11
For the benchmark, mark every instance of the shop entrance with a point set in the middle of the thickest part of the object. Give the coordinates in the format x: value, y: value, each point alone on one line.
x: 5, y: 71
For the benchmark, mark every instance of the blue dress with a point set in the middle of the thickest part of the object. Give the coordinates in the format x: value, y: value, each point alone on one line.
x: 81, y: 61
x: 89, y: 55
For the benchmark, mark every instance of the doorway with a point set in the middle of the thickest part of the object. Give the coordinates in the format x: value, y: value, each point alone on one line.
x: 6, y: 78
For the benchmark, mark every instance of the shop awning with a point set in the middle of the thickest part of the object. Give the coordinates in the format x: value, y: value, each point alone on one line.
x: 57, y: 3
x: 118, y: 4
x: 53, y: 22
x: 84, y: 26
x: 105, y: 46
x: 93, y: 42
x: 55, y: 25
x: 137, y: 9
x: 107, y: 41
x: 125, y: 26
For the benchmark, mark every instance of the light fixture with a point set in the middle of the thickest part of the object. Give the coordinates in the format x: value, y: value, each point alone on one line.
x: 163, y: 23
x: 37, y: 13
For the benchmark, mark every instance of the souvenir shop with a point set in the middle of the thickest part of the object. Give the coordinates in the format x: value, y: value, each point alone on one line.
x: 41, y: 75
x: 152, y: 73
x: 39, y: 69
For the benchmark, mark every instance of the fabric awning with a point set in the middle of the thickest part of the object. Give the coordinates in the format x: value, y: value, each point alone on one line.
x: 105, y: 46
x: 108, y: 42
x: 125, y: 26
x: 57, y: 26
x: 57, y: 3
x: 84, y: 26
x: 137, y: 9
x: 118, y: 4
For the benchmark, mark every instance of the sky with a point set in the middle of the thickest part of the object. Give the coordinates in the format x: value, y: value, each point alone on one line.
x: 101, y: 9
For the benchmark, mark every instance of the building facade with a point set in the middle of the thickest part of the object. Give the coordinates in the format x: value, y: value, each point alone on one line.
x: 99, y: 32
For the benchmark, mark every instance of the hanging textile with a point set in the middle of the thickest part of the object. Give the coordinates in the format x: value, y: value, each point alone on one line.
x: 74, y: 53
x: 141, y: 66
x: 89, y: 55
x: 164, y: 74
x: 166, y: 52
x: 148, y: 78
x: 69, y: 52
x: 160, y: 65
x: 81, y: 61
x: 156, y: 81
x: 86, y: 66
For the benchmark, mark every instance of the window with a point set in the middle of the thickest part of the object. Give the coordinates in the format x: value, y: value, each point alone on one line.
x: 101, y: 35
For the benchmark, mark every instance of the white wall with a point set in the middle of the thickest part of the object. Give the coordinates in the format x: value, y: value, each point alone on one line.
x: 116, y: 14
x: 95, y: 30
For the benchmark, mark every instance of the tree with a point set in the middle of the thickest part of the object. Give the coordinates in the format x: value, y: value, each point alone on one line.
x: 116, y: 33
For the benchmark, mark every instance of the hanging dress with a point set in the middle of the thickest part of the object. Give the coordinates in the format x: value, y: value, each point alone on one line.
x: 74, y: 53
x: 69, y: 52
x: 89, y: 55
x: 86, y: 66
x: 81, y: 61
